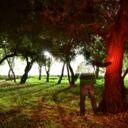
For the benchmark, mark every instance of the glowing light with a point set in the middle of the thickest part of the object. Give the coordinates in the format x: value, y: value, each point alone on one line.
x: 47, y: 53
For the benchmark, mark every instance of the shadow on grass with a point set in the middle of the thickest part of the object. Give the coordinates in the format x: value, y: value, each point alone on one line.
x: 15, y: 88
x: 33, y: 91
x: 26, y: 86
x: 28, y: 92
x: 54, y: 95
x: 13, y: 119
x: 38, y: 90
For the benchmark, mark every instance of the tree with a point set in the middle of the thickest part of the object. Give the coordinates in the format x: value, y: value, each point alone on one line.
x: 107, y: 19
x: 64, y: 51
x: 114, y: 86
x: 27, y: 69
x: 40, y: 63
x: 10, y: 62
x: 29, y: 49
x: 48, y: 63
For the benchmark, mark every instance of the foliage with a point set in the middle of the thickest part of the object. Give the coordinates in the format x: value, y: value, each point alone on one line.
x: 125, y: 58
x: 96, y: 47
x: 64, y: 50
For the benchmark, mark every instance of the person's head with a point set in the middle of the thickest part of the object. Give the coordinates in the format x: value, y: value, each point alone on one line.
x: 87, y: 55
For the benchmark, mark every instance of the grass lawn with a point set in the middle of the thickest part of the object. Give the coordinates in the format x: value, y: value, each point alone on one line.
x: 38, y: 104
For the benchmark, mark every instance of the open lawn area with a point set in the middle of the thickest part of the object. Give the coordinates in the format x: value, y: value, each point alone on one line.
x: 40, y: 104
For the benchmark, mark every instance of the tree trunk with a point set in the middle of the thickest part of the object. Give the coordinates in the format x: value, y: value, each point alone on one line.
x: 10, y: 65
x: 68, y: 75
x: 62, y: 72
x: 47, y: 72
x: 27, y: 69
x: 9, y: 74
x: 113, y: 98
x: 11, y: 69
x: 40, y: 72
x: 72, y: 76
x: 97, y: 72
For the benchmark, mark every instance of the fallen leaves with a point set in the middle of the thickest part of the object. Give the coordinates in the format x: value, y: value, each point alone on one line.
x: 45, y: 114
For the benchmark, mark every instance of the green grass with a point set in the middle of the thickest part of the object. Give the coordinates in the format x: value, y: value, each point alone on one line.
x: 18, y: 95
x: 19, y: 99
x: 12, y: 94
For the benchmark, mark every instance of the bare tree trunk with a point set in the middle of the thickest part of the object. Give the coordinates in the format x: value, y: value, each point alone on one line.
x: 10, y: 65
x: 40, y: 71
x: 48, y: 65
x: 61, y: 74
x: 97, y: 72
x: 72, y: 76
x: 27, y: 69
x: 68, y: 75
x: 9, y: 74
x: 39, y: 74
x: 47, y: 72
x: 11, y: 69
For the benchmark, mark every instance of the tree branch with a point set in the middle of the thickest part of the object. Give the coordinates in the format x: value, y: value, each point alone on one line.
x: 8, y: 56
x: 125, y: 73
x: 95, y: 24
x: 93, y: 48
x: 98, y: 64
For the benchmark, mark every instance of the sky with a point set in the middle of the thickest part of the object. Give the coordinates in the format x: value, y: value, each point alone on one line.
x: 55, y: 69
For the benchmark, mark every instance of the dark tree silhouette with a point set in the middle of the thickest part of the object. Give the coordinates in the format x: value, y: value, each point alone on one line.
x: 62, y: 72
x: 27, y: 69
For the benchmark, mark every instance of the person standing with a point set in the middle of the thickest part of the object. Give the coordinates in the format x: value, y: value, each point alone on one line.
x: 85, y: 71
x: 87, y: 80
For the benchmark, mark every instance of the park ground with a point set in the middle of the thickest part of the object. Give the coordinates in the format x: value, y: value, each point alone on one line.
x: 40, y: 104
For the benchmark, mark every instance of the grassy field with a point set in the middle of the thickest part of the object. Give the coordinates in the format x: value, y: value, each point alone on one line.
x: 38, y: 104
